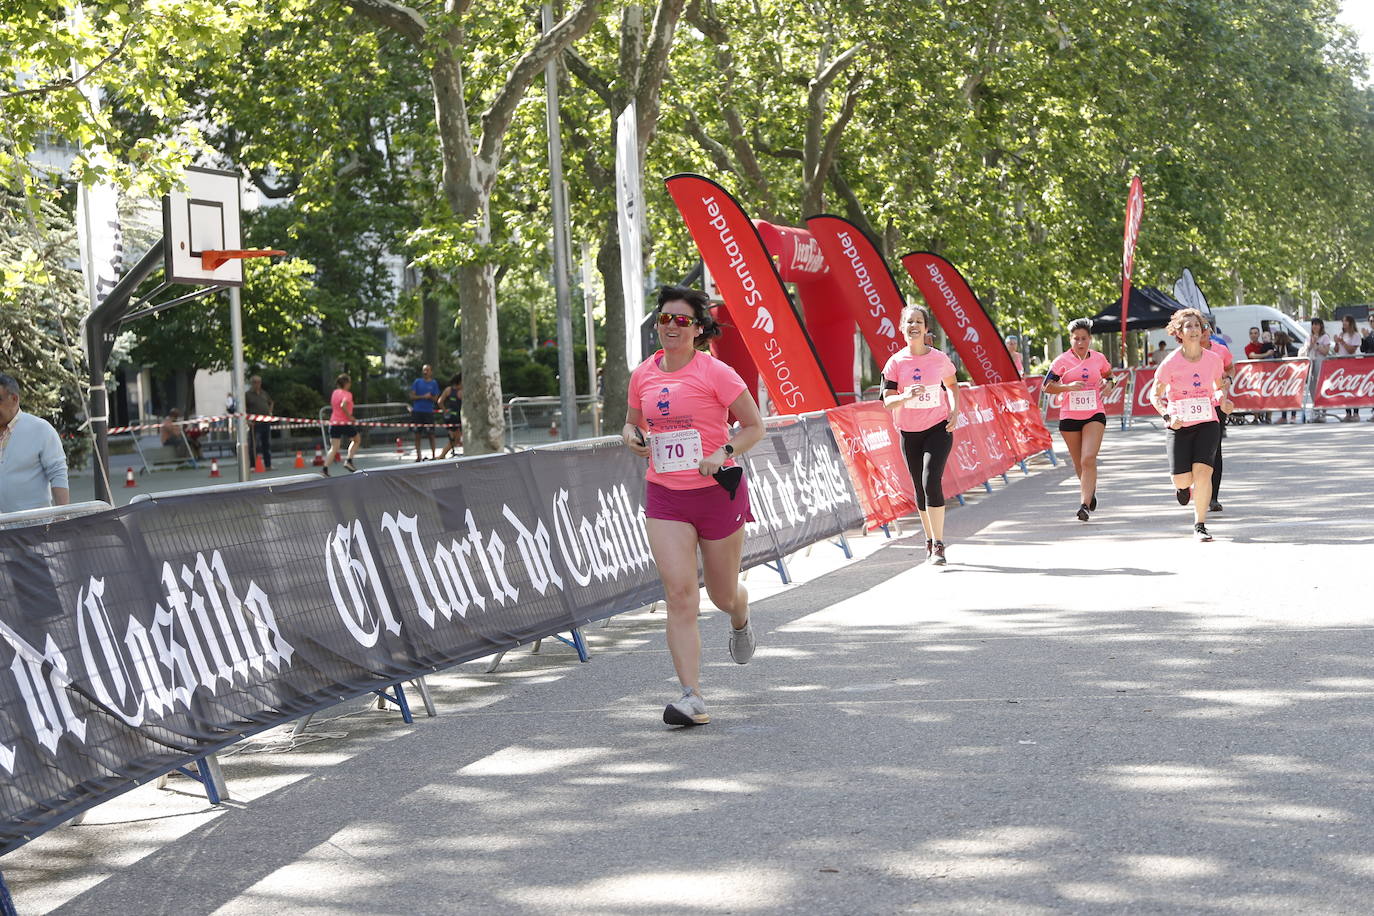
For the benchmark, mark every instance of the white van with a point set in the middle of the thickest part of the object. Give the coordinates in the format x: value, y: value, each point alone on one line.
x: 1234, y: 323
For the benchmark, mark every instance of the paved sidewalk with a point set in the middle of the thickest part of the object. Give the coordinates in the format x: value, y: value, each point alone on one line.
x: 1100, y: 717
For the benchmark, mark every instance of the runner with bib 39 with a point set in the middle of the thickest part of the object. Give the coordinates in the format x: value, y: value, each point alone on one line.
x: 1080, y: 374
x: 1187, y: 382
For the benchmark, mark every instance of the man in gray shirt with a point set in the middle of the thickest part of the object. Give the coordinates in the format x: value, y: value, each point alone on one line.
x: 33, y: 468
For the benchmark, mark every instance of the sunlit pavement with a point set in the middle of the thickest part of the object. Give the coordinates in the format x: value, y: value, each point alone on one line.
x: 1099, y: 717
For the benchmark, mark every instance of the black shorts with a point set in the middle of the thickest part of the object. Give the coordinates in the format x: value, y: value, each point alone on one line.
x: 342, y: 431
x: 1193, y: 445
x: 420, y: 418
x: 453, y: 422
x: 1076, y: 426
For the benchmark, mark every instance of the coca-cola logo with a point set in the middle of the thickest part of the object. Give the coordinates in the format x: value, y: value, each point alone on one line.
x: 1344, y: 385
x: 1277, y: 380
x: 1144, y: 381
x: 1118, y: 393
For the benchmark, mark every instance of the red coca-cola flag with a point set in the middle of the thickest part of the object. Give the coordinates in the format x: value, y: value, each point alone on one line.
x: 1035, y: 386
x: 869, y: 290
x: 970, y: 330
x: 1270, y: 384
x: 1135, y: 207
x: 872, y: 450
x: 1114, y: 401
x: 749, y: 283
x: 1141, y: 405
x: 1346, y: 382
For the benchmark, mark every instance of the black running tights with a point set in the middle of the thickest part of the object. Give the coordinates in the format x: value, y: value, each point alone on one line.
x: 926, y: 453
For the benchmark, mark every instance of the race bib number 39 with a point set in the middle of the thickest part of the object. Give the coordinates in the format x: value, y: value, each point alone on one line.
x: 1190, y: 410
x: 677, y: 450
x: 1083, y: 400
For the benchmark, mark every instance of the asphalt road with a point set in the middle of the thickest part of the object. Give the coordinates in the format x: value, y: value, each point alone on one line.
x: 1086, y: 718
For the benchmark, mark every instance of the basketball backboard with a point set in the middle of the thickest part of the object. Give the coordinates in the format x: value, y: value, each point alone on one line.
x: 204, y: 216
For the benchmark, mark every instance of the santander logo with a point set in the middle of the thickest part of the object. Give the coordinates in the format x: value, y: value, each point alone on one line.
x: 886, y: 328
x: 763, y: 320
x: 1348, y: 385
x: 971, y: 334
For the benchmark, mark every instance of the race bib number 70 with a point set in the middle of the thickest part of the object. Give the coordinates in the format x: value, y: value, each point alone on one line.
x: 676, y: 450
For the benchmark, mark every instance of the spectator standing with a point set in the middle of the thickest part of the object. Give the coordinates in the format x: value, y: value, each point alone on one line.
x: 1014, y: 348
x: 1317, y: 349
x: 424, y: 398
x: 1284, y: 349
x: 260, y: 403
x: 1261, y: 346
x: 33, y: 468
x: 1157, y: 355
x: 1347, y: 343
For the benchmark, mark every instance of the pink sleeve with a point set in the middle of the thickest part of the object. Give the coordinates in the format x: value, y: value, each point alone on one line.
x: 632, y: 390
x: 1106, y: 363
x: 1057, y: 367
x: 946, y: 367
x: 727, y: 383
x: 888, y: 371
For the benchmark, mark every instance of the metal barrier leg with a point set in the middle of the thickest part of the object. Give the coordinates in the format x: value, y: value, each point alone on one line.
x: 576, y: 640
x: 301, y: 725
x: 207, y: 773
x: 399, y: 698
x: 495, y: 662
x: 960, y: 497
x: 781, y: 569
x: 843, y: 544
x: 987, y: 486
x: 1049, y: 453
x: 1004, y: 479
x: 1024, y: 469
x: 423, y: 687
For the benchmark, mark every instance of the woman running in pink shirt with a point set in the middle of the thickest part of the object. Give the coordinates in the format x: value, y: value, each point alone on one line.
x: 1184, y: 389
x: 683, y: 395
x: 918, y: 385
x: 1080, y: 374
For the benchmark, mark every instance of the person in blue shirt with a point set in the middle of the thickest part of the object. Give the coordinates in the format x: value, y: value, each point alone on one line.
x: 33, y: 468
x: 424, y: 398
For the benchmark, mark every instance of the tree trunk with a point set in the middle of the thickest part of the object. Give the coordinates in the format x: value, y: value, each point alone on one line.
x: 616, y: 375
x: 483, y: 420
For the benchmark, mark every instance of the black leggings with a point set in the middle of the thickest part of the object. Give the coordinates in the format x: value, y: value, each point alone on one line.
x: 926, y: 453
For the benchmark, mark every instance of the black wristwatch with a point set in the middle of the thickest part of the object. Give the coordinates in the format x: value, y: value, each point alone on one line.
x: 729, y: 449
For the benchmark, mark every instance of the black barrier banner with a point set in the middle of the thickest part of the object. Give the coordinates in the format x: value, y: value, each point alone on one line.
x: 135, y: 640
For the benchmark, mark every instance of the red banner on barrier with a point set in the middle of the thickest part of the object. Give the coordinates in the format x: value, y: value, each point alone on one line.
x: 959, y: 312
x: 998, y: 426
x: 749, y: 282
x: 862, y: 278
x: 1141, y: 405
x: 872, y: 450
x: 1035, y: 386
x: 1114, y: 401
x: 1270, y: 384
x: 1019, y: 416
x: 1346, y: 382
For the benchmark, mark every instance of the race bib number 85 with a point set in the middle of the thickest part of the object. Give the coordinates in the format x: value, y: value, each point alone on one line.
x: 677, y: 450
x: 927, y: 396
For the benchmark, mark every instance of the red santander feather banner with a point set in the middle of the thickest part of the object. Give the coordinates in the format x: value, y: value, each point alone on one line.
x: 864, y: 281
x: 1135, y: 207
x: 749, y: 283
x: 959, y: 312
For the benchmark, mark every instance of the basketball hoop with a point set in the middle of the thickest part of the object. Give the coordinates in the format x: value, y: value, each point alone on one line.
x: 211, y: 260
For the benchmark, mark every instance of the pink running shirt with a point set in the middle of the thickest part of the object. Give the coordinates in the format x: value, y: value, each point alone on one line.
x: 697, y: 396
x: 340, y: 406
x: 929, y: 371
x: 1187, y: 383
x: 1080, y: 405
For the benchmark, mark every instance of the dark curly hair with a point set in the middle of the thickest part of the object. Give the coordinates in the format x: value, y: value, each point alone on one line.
x: 701, y: 310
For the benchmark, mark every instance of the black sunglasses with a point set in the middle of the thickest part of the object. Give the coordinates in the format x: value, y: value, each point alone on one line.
x: 682, y: 321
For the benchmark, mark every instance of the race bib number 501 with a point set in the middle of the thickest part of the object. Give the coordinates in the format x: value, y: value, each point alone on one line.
x: 677, y: 450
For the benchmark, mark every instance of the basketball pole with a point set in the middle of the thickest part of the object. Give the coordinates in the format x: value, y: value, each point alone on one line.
x: 240, y: 417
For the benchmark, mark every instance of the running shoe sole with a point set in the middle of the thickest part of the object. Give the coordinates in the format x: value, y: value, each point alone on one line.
x: 1214, y: 507
x: 674, y: 716
x: 1202, y: 534
x: 1183, y: 495
x: 1082, y: 514
x: 1092, y: 506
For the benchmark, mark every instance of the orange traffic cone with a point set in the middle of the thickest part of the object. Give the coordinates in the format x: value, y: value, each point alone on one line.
x: 129, y: 478
x: 258, y: 467
x: 300, y: 459
x: 553, y: 427
x: 319, y: 456
x: 214, y: 467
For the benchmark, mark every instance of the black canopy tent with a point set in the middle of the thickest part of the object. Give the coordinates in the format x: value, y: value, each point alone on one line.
x: 1150, y: 309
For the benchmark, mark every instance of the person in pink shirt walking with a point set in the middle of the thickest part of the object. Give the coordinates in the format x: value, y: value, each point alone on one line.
x: 1080, y: 373
x: 1186, y: 386
x: 695, y: 497
x: 920, y: 388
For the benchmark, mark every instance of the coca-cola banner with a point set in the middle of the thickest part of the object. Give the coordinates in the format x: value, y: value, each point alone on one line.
x: 135, y: 640
x: 1270, y: 384
x: 1035, y: 387
x: 749, y: 283
x: 872, y: 450
x: 958, y: 311
x: 862, y: 278
x: 1346, y: 382
x: 1142, y: 406
x: 1114, y: 401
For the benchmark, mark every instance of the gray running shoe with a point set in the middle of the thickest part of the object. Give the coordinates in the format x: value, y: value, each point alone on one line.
x: 742, y: 643
x: 690, y: 710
